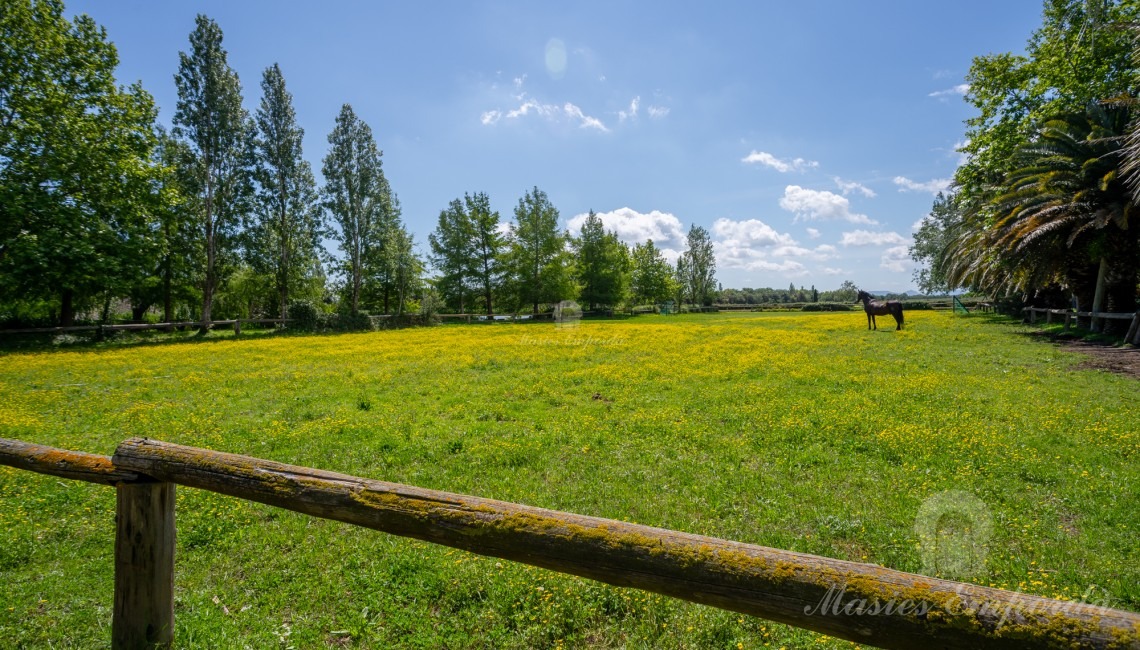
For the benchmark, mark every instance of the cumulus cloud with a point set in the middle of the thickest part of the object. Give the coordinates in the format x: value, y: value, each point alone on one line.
x: 752, y: 245
x: 633, y: 227
x: 782, y: 166
x: 657, y: 112
x: 827, y: 270
x: 848, y: 187
x: 813, y: 205
x: 530, y: 106
x: 896, y: 259
x: 813, y: 233
x: 868, y: 238
x: 934, y: 186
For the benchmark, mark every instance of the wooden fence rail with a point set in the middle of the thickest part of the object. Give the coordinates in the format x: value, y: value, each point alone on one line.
x: 865, y: 603
x: 235, y: 323
x: 1071, y: 317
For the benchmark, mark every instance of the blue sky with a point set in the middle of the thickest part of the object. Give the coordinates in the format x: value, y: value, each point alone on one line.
x: 807, y: 137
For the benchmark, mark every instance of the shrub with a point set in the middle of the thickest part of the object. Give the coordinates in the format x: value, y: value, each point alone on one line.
x: 349, y: 322
x: 305, y: 316
x: 826, y: 306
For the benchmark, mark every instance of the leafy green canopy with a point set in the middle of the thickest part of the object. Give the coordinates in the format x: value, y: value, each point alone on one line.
x: 76, y: 180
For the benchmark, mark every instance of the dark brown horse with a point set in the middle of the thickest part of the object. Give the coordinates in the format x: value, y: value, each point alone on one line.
x: 880, y: 308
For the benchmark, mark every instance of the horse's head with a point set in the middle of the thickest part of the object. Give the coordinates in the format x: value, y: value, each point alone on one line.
x: 863, y: 295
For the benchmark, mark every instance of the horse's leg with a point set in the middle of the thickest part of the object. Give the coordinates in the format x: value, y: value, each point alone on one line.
x: 873, y: 321
x: 868, y: 320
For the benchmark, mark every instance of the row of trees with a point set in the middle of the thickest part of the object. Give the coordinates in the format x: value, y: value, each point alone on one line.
x: 223, y: 213
x: 1043, y: 206
x: 100, y: 203
x: 483, y: 264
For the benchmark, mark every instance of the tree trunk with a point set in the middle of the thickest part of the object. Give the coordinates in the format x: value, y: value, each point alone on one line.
x: 1098, y: 297
x: 67, y: 308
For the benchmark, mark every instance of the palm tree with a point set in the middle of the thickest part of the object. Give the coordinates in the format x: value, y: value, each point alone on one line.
x: 1067, y: 207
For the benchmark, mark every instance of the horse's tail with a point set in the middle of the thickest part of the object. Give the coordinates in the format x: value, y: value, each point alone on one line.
x: 899, y: 309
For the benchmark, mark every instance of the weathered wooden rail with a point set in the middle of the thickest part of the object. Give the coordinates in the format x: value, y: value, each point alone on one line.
x: 235, y: 323
x: 1073, y: 317
x: 865, y: 603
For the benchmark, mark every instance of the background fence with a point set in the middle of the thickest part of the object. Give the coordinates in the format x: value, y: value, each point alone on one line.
x: 1094, y: 320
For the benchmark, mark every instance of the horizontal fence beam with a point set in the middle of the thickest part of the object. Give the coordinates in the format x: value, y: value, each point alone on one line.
x: 76, y: 465
x: 1084, y: 314
x: 864, y: 603
x: 139, y: 326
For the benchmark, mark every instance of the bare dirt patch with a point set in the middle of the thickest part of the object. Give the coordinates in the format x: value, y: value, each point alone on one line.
x: 1100, y: 356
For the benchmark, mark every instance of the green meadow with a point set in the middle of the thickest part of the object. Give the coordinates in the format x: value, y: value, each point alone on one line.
x: 797, y: 431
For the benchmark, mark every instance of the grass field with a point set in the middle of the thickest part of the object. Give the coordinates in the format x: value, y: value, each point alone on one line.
x: 803, y: 432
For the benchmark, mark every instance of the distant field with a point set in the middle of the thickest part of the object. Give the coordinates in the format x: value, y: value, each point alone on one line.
x: 797, y: 431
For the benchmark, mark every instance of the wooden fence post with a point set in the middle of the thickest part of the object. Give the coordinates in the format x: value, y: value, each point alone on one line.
x: 1133, y: 335
x: 144, y: 567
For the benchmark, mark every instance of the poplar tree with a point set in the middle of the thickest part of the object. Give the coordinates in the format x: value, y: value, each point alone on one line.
x: 285, y: 239
x: 210, y: 119
x: 697, y: 266
x: 359, y: 199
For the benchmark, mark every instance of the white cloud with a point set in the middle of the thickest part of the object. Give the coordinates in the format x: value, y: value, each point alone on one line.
x: 657, y: 112
x: 868, y: 238
x: 782, y: 166
x: 503, y: 228
x: 519, y: 81
x: 918, y: 224
x: 813, y: 233
x: 812, y: 205
x: 633, y: 227
x: 549, y: 111
x: 896, y: 259
x: 827, y: 270
x: 632, y: 112
x: 960, y: 89
x: 752, y: 245
x: 848, y: 187
x: 752, y: 233
x: 934, y: 186
x: 586, y: 122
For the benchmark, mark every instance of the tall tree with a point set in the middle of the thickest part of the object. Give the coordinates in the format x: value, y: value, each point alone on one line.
x: 538, y: 260
x: 75, y: 176
x: 932, y: 241
x: 602, y: 264
x: 358, y: 197
x: 453, y: 254
x: 285, y: 239
x: 1080, y: 54
x: 699, y: 267
x: 176, y: 261
x: 393, y: 270
x: 210, y: 119
x: 652, y: 277
x: 487, y: 248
